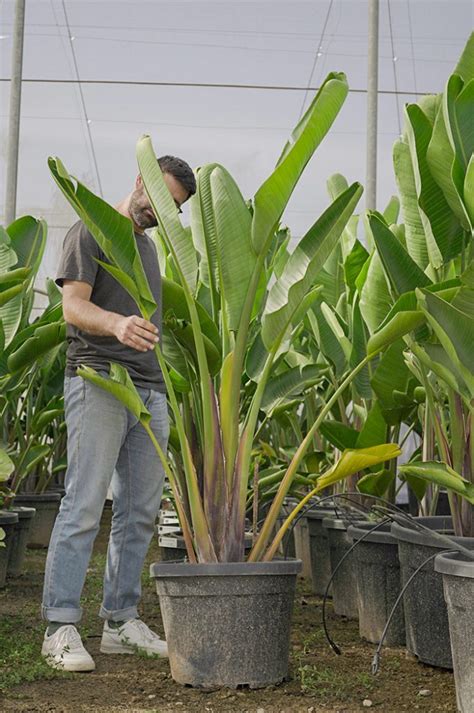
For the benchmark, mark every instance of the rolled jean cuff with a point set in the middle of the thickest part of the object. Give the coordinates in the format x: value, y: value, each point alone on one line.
x: 119, y: 614
x: 61, y: 614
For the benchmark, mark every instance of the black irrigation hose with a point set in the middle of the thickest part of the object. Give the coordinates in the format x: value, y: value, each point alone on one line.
x: 331, y: 642
x: 378, y: 652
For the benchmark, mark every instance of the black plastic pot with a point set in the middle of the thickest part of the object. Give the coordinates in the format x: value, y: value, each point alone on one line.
x: 344, y: 582
x: 227, y: 624
x: 19, y: 539
x: 319, y: 549
x: 47, y: 508
x: 377, y: 573
x: 458, y: 581
x: 426, y: 616
x: 8, y: 520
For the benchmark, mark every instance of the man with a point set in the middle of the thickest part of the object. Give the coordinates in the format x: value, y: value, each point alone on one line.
x: 103, y: 436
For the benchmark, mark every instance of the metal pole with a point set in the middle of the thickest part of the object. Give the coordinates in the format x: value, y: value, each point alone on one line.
x: 372, y: 88
x: 14, y: 115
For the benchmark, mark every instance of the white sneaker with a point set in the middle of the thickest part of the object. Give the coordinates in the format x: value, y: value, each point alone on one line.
x: 134, y: 636
x: 64, y: 649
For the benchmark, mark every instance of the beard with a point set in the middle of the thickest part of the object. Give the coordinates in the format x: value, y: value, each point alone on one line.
x: 141, y: 211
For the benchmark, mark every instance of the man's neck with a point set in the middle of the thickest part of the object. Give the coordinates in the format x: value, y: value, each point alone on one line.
x: 123, y: 208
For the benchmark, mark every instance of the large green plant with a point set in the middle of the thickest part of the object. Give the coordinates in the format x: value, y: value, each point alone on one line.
x: 217, y: 300
x: 31, y: 361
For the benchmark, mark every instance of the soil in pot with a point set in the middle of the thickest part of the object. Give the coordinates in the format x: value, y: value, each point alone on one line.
x: 8, y: 520
x: 426, y: 615
x: 19, y: 539
x: 227, y: 624
x: 377, y: 573
x: 458, y: 582
x: 344, y: 583
x: 47, y: 508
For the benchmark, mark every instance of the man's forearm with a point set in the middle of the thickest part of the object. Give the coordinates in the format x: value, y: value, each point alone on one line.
x: 90, y: 318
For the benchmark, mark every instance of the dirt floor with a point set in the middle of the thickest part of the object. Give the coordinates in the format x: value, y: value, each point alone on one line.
x: 321, y: 681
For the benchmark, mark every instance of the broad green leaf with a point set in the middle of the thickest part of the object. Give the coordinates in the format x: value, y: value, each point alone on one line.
x: 400, y: 324
x: 353, y: 264
x: 287, y: 384
x: 178, y: 241
x: 203, y: 226
x: 28, y: 240
x: 442, y: 229
x: 174, y: 302
x: 44, y: 338
x: 374, y: 430
x: 236, y: 258
x: 376, y: 483
x: 455, y: 331
x: 401, y: 270
x: 339, y: 435
x: 392, y: 375
x: 465, y: 66
x: 304, y: 263
x: 392, y: 210
x: 442, y: 475
x: 357, y: 459
x: 113, y: 233
x: 6, y: 466
x: 446, y: 166
x: 375, y: 298
x: 414, y: 229
x: 468, y: 190
x: 359, y: 351
x: 120, y: 385
x: 273, y: 195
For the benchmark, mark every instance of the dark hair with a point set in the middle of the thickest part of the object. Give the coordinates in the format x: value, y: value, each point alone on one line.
x: 180, y: 170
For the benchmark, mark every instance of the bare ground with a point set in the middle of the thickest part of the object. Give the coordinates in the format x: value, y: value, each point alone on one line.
x: 321, y: 681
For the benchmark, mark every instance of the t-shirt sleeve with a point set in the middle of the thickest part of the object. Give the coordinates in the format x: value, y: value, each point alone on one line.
x: 78, y: 259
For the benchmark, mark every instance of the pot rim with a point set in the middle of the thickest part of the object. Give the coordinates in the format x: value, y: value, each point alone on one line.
x: 335, y: 523
x: 454, y: 564
x: 23, y: 511
x: 380, y: 536
x: 225, y: 569
x: 409, y: 534
x: 49, y: 496
x: 7, y: 517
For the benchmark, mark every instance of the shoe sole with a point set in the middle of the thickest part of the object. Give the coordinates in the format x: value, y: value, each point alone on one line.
x: 75, y: 668
x: 119, y: 649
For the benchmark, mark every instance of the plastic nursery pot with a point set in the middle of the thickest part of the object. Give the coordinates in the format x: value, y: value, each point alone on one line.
x: 344, y: 582
x: 319, y: 548
x: 8, y: 521
x: 47, y: 508
x: 19, y: 539
x: 227, y: 624
x: 426, y: 615
x: 458, y: 582
x: 300, y: 533
x: 377, y: 573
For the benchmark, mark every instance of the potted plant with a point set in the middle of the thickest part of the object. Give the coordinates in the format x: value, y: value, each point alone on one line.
x: 214, y: 305
x: 425, y: 267
x: 31, y: 374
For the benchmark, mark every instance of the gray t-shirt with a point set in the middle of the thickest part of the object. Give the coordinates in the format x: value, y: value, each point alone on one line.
x: 78, y: 263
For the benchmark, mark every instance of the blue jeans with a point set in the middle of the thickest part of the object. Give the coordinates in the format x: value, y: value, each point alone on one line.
x: 102, y: 436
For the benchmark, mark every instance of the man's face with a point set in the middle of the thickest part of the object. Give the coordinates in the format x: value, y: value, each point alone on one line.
x: 140, y: 209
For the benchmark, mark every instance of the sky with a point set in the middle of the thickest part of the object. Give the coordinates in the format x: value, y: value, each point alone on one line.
x: 112, y: 46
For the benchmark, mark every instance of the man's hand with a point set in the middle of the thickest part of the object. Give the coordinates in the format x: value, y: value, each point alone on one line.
x: 78, y: 310
x: 136, y: 332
